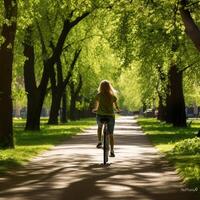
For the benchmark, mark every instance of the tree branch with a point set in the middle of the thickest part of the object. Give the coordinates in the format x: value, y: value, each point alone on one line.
x: 44, y: 50
x: 59, y: 72
x: 52, y: 78
x: 78, y: 19
x: 67, y: 26
x: 81, y: 40
x: 69, y: 74
x: 191, y: 65
x: 192, y: 4
x: 191, y: 28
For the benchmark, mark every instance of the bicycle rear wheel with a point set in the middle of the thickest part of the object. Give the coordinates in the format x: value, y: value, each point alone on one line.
x: 105, y: 145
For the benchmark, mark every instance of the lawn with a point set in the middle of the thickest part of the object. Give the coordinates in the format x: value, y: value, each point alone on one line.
x: 29, y: 144
x: 180, y: 145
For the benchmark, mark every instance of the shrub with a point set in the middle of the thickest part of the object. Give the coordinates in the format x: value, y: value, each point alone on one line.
x: 187, y: 147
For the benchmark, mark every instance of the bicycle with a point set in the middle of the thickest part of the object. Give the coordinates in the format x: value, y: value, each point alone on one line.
x: 106, y: 137
x: 104, y: 121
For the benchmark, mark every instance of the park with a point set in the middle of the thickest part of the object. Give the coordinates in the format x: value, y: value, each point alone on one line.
x: 53, y: 56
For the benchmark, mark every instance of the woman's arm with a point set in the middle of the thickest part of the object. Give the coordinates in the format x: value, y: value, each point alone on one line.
x: 116, y: 106
x: 96, y: 105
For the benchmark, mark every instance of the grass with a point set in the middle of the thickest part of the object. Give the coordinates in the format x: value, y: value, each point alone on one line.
x: 174, y: 142
x: 29, y: 144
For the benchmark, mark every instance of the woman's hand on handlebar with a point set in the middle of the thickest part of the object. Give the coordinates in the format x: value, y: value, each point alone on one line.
x: 94, y: 110
x: 118, y: 110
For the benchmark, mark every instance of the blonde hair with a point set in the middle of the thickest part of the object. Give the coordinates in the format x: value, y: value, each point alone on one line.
x: 105, y: 87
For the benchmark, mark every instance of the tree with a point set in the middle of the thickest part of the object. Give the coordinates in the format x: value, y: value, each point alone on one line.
x: 48, y: 62
x: 148, y: 35
x: 59, y: 88
x: 6, y: 65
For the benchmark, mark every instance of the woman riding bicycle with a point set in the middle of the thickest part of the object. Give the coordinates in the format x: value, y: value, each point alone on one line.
x: 105, y: 103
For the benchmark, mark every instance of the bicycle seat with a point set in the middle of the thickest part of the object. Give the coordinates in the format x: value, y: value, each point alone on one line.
x: 104, y: 120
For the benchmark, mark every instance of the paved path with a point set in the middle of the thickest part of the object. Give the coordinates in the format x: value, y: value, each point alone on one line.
x: 73, y: 171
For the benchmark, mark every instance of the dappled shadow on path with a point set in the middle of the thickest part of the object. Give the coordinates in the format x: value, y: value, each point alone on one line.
x: 73, y: 171
x: 145, y: 178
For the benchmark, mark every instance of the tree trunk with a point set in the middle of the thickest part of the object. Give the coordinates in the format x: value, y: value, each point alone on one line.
x: 32, y: 121
x: 144, y: 106
x: 63, y: 117
x: 30, y: 82
x: 72, y: 109
x: 74, y: 95
x: 6, y: 63
x: 176, y: 102
x: 191, y: 28
x: 56, y: 90
x: 169, y: 113
x: 35, y: 95
x: 161, y: 109
x: 35, y: 101
x: 55, y: 106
